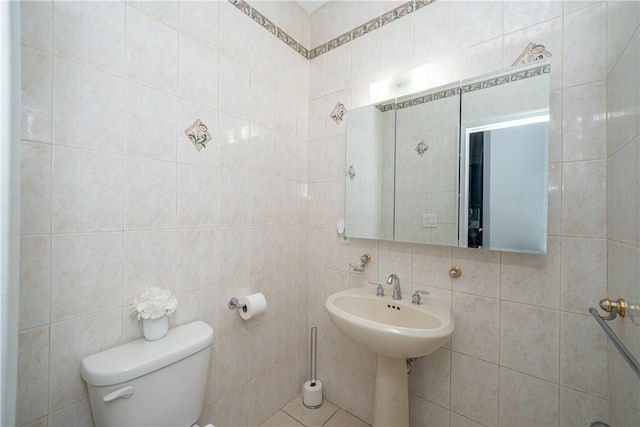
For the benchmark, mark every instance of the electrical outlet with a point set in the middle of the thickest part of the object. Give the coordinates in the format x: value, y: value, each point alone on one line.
x: 429, y: 220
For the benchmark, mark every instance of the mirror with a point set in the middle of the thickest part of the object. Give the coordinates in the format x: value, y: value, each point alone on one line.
x: 370, y: 172
x: 504, y: 160
x: 464, y: 164
x: 426, y: 206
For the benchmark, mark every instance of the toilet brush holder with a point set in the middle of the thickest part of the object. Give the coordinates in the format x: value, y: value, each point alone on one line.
x: 312, y: 389
x: 312, y: 394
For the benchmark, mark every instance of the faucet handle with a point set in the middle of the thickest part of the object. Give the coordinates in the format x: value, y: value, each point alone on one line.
x: 415, y: 299
x: 380, y: 290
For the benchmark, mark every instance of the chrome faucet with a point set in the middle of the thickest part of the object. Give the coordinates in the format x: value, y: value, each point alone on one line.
x: 395, y: 281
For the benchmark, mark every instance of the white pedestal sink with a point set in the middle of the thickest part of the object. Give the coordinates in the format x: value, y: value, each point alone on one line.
x: 395, y: 331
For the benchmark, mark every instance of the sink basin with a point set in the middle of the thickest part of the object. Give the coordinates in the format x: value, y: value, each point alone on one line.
x: 395, y: 331
x: 390, y: 328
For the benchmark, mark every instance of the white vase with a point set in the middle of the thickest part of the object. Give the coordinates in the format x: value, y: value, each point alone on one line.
x: 155, y: 329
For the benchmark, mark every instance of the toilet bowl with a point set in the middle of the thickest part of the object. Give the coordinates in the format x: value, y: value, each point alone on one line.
x: 151, y: 383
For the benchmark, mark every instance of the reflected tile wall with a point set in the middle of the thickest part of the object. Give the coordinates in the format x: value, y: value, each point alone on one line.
x: 115, y: 198
x: 520, y: 315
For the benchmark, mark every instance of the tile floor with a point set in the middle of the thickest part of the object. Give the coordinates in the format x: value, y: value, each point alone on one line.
x: 294, y: 414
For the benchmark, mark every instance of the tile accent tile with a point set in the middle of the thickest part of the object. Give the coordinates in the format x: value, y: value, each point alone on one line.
x: 338, y: 113
x: 198, y: 134
x: 533, y: 52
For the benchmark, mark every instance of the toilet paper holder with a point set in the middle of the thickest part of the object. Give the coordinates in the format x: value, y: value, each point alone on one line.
x: 235, y: 303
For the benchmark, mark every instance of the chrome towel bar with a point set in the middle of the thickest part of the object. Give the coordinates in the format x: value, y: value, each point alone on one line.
x: 617, y: 342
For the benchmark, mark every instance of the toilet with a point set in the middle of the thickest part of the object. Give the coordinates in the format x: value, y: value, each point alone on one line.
x: 151, y: 383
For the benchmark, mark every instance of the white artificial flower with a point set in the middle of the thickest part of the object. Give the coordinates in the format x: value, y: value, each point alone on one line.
x: 153, y: 304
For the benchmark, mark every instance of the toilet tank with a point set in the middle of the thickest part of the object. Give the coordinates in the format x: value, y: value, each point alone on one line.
x: 151, y: 383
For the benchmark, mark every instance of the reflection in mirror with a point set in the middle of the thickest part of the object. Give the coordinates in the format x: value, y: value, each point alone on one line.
x: 370, y: 172
x: 426, y: 167
x: 504, y: 163
x: 462, y: 165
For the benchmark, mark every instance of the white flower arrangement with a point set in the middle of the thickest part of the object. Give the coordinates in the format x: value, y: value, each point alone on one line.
x: 153, y: 304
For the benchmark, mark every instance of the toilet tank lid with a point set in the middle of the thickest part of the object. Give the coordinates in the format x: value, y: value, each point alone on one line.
x: 136, y: 358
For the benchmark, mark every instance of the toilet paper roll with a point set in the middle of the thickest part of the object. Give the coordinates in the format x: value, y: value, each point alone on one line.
x: 312, y: 394
x: 254, y: 304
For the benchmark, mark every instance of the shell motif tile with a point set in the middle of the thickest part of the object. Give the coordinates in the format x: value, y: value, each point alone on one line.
x: 533, y: 52
x: 338, y: 113
x: 199, y: 135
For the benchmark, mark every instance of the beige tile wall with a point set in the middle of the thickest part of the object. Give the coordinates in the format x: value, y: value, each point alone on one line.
x: 116, y: 199
x: 525, y: 351
x: 623, y: 196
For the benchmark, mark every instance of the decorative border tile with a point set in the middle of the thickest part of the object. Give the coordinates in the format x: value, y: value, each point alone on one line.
x: 423, y: 99
x: 287, y: 39
x: 509, y: 77
x: 359, y: 31
x: 242, y: 5
x: 397, y: 13
x: 263, y: 21
x: 385, y: 107
x: 366, y: 28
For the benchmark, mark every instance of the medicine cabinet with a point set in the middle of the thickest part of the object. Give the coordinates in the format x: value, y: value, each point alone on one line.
x: 464, y: 164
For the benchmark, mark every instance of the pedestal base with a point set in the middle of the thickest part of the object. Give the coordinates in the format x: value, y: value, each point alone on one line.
x: 391, y: 403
